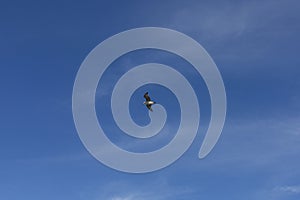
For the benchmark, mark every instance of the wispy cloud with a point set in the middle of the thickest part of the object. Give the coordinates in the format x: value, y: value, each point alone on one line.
x: 248, y: 144
x: 239, y: 30
x: 123, y: 198
x: 56, y: 159
x: 162, y: 195
x: 289, y: 189
x: 225, y: 19
x: 159, y: 189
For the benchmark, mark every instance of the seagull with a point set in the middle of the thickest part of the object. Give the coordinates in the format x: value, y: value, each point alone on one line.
x: 148, y: 101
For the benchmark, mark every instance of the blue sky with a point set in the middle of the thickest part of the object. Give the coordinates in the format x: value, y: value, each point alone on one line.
x: 256, y: 47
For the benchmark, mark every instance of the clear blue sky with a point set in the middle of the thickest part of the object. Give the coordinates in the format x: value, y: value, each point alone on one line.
x: 256, y: 46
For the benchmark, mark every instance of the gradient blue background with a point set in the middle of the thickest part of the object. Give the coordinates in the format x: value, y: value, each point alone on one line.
x: 256, y: 46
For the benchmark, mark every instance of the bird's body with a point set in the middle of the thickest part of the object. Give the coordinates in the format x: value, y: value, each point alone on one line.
x: 148, y: 101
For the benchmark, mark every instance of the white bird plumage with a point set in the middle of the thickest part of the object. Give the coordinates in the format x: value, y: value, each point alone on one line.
x: 148, y: 101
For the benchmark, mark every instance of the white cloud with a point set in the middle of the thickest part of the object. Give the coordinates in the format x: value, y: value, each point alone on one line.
x: 159, y: 189
x: 289, y: 189
x: 227, y: 19
x: 248, y: 144
x: 123, y: 198
x: 77, y: 157
x: 234, y: 31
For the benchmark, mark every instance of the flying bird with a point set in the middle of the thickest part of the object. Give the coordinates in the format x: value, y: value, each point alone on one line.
x: 148, y: 101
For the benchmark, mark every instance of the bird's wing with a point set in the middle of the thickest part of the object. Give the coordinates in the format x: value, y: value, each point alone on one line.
x: 146, y: 96
x: 149, y: 107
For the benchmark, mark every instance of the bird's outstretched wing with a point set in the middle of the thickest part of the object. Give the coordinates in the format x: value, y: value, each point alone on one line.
x: 146, y: 96
x: 149, y: 107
